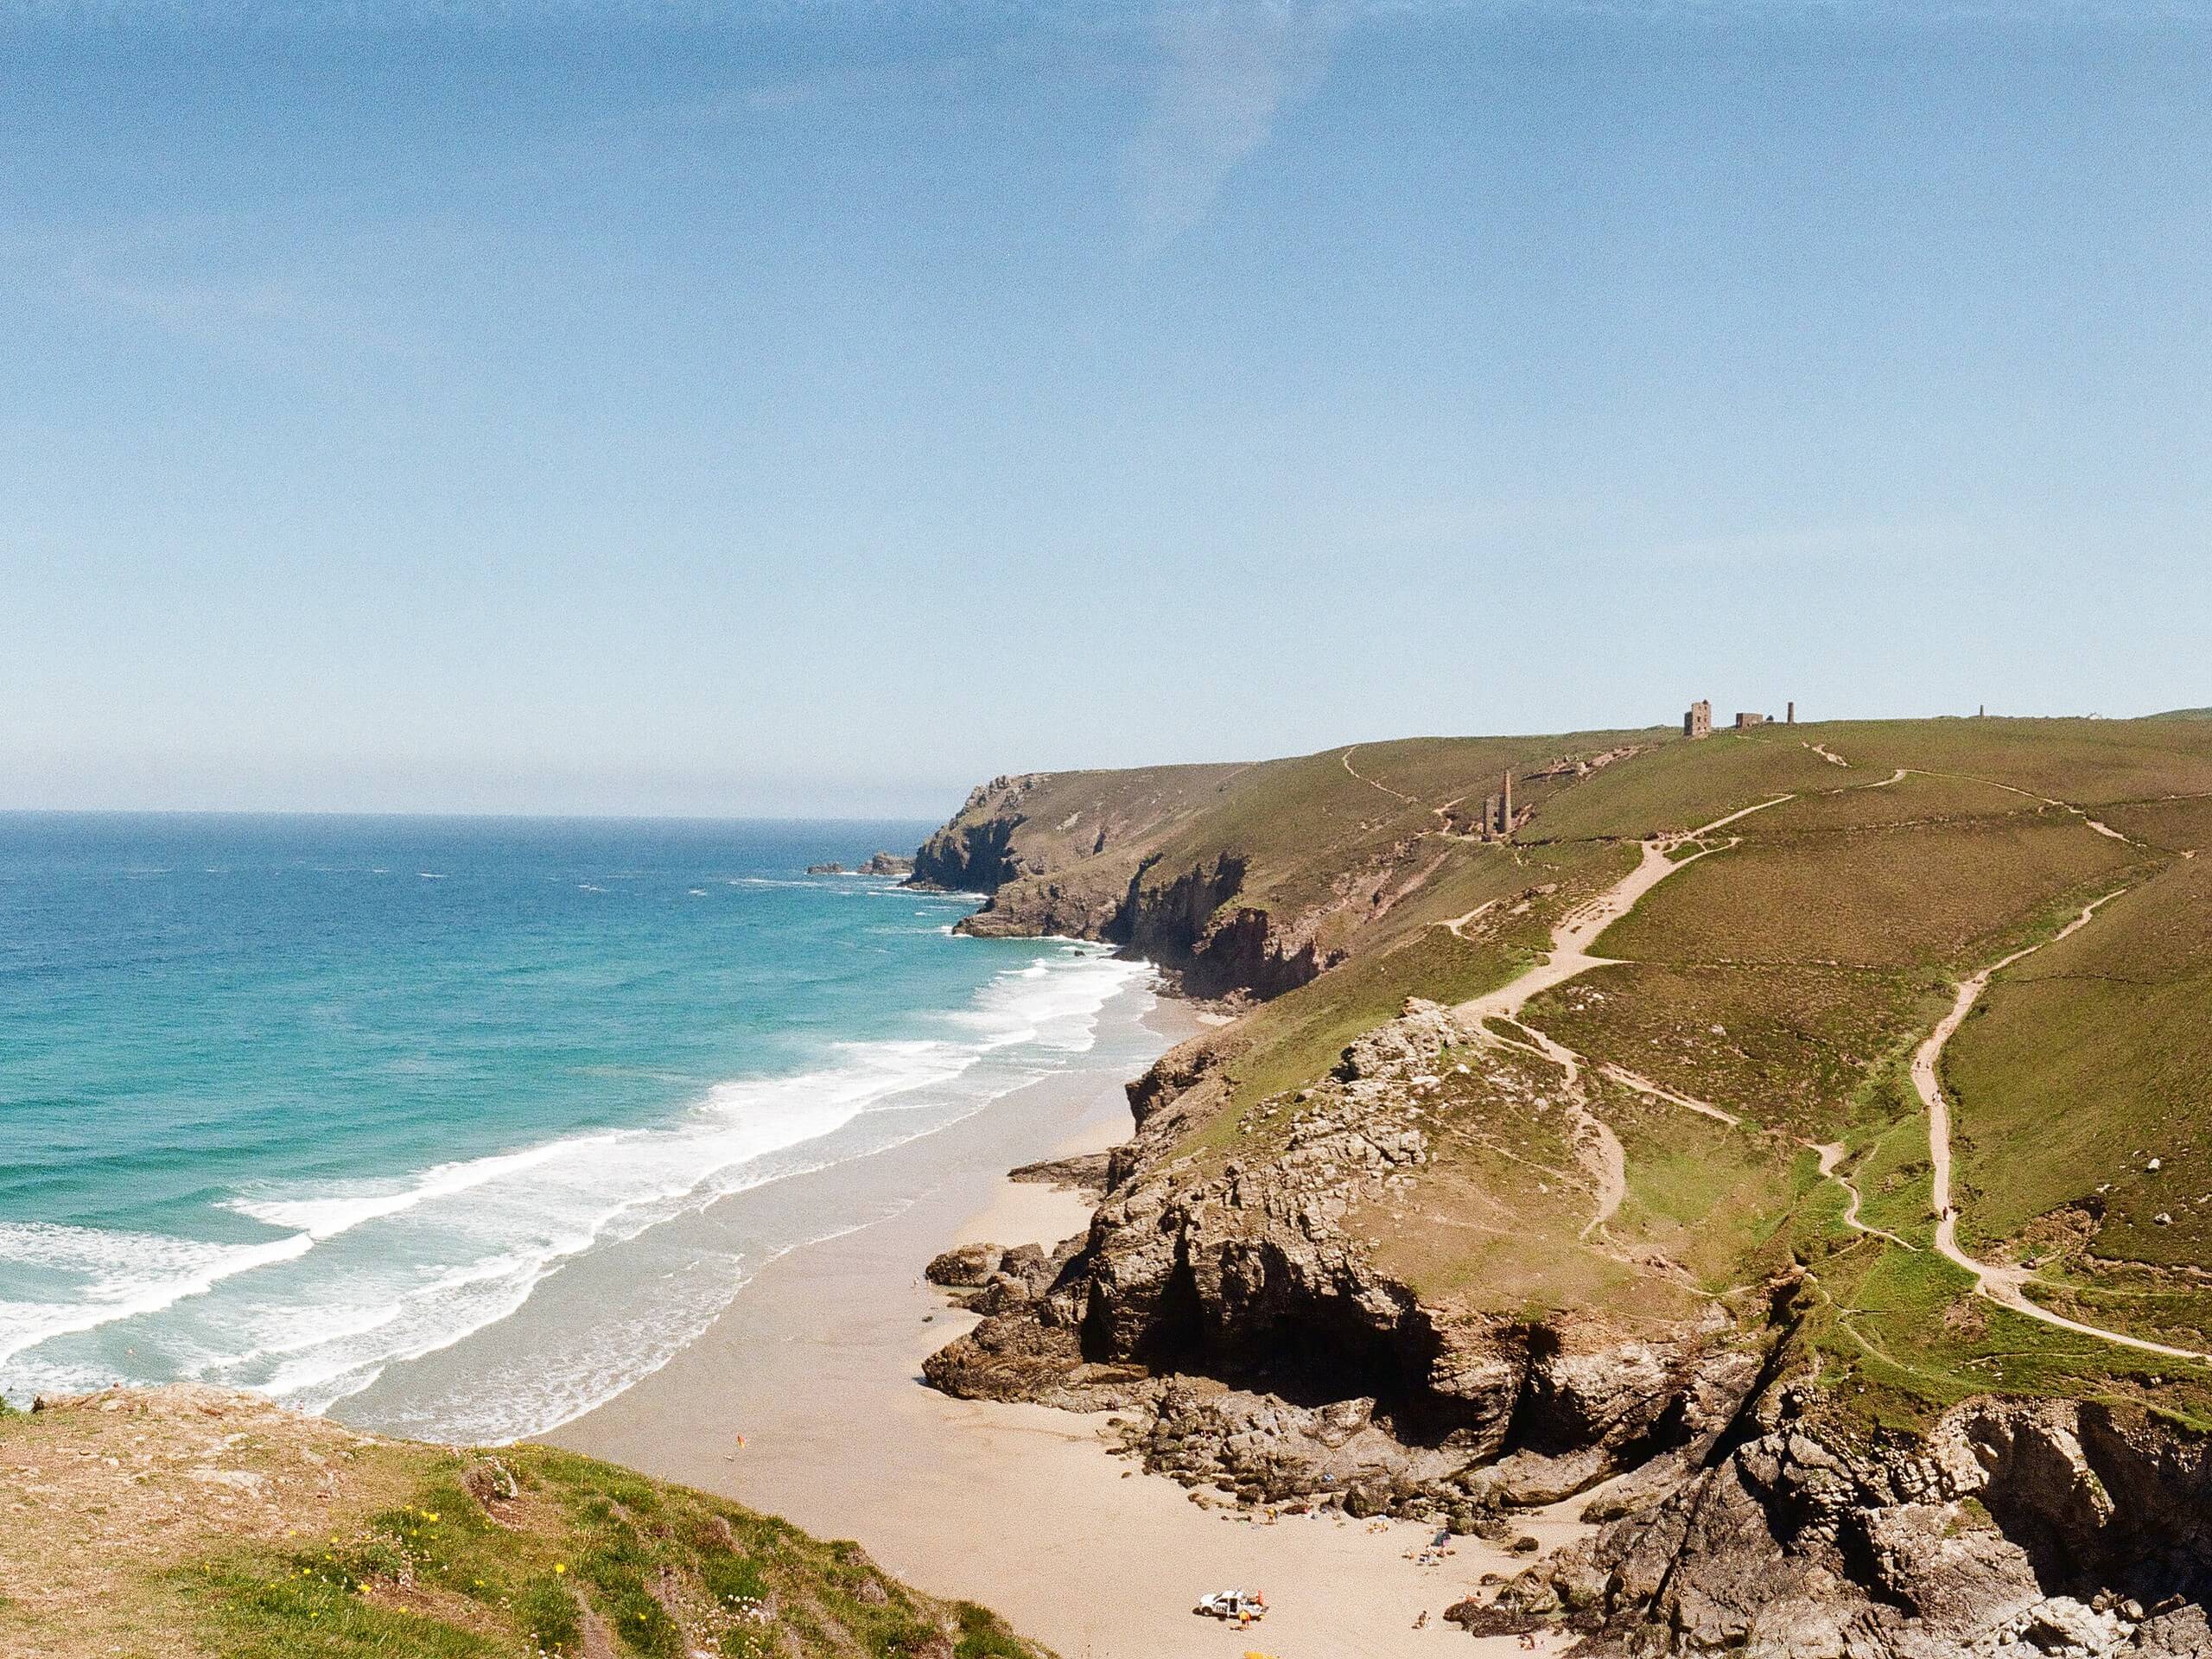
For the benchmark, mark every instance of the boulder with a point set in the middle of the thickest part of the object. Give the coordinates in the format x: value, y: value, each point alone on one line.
x: 965, y: 1267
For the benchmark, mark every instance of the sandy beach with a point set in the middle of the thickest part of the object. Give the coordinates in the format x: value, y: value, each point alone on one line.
x: 817, y: 1365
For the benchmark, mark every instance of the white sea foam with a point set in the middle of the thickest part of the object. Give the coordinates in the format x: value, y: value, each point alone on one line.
x: 117, y: 1275
x: 521, y: 1398
x: 362, y: 1276
x: 327, y: 1215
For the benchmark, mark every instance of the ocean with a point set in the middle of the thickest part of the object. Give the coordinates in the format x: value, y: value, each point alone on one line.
x: 415, y: 1120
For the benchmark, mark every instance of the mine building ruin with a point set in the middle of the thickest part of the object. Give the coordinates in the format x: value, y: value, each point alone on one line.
x: 1498, y: 811
x: 1697, y: 720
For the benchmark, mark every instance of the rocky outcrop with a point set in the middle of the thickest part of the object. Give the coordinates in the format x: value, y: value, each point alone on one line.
x: 2015, y: 1528
x: 874, y: 864
x: 1238, y: 1322
x: 1187, y: 922
x: 1237, y: 1311
x: 1083, y: 1172
x: 973, y: 853
x: 1111, y: 888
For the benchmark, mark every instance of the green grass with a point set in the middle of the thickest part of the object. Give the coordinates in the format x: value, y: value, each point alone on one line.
x: 1891, y: 1167
x: 1679, y: 785
x: 2171, y: 826
x: 1786, y: 978
x: 1788, y: 1047
x: 2087, y: 762
x: 2085, y: 1062
x: 1493, y: 1221
x: 1717, y: 1200
x: 1302, y: 825
x: 251, y: 1612
x: 1862, y: 797
x: 1888, y: 899
x: 1901, y: 1339
x: 665, y: 1569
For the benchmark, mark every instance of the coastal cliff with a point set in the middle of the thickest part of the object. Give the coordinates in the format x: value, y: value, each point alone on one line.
x: 1242, y: 1317
x: 1053, y: 859
x: 1240, y: 1301
x: 1171, y: 864
x: 1656, y: 1237
x: 2011, y: 1530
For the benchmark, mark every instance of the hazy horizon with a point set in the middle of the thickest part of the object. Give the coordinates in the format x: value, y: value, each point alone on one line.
x: 926, y: 816
x: 641, y: 409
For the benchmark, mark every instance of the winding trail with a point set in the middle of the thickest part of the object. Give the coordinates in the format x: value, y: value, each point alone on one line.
x: 1831, y: 1156
x: 2097, y: 824
x: 1410, y: 800
x: 2001, y: 1283
x: 1578, y: 929
x: 1457, y: 925
x: 1628, y: 1079
x: 1596, y: 1147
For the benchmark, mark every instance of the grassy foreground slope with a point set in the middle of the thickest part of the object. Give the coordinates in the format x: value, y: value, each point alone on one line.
x: 192, y: 1522
x: 1784, y: 979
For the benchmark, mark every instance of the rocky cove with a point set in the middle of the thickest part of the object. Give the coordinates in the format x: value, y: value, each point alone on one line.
x: 1244, y: 1306
x: 1256, y: 1356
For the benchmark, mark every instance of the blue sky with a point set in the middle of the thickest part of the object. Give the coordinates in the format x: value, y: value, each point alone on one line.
x: 818, y: 407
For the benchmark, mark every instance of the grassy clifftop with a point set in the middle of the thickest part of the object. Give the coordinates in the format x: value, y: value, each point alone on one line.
x: 191, y: 1522
x: 1254, y: 877
x: 1784, y: 979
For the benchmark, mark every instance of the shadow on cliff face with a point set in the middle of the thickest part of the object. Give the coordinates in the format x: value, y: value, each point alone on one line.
x: 1256, y: 1326
x: 1180, y: 924
x: 2120, y: 1507
x: 1261, y: 1330
x: 968, y: 858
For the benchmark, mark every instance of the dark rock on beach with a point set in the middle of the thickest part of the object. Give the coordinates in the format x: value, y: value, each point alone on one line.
x: 1086, y: 1172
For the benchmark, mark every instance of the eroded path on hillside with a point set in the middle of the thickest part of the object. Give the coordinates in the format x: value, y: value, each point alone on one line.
x: 2001, y: 1283
x: 1578, y: 929
x: 1832, y: 1156
x: 2083, y: 813
x: 1457, y: 926
x: 1596, y: 1147
x: 1395, y: 794
x: 1628, y: 1079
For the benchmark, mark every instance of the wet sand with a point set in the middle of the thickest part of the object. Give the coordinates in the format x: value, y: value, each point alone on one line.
x: 817, y: 1365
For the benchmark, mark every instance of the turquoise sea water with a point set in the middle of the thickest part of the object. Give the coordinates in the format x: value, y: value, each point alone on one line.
x: 287, y: 1101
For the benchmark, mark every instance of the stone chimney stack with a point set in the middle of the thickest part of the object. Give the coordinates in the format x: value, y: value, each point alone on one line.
x: 1505, y: 808
x: 1792, y: 716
